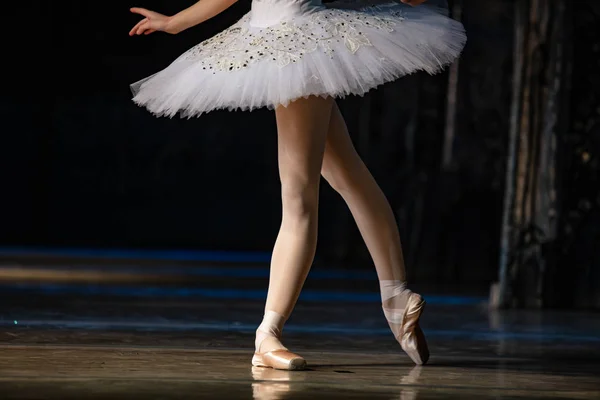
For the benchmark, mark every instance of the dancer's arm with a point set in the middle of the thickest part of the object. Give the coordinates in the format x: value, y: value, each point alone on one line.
x: 191, y: 16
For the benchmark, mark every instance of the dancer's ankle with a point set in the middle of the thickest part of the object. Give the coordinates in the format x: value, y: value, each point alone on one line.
x: 268, y: 334
x: 394, y: 298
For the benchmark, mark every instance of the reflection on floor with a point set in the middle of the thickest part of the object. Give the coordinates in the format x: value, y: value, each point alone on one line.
x: 64, y: 339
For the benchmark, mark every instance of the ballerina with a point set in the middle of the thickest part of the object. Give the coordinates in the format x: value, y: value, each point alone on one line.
x: 297, y: 57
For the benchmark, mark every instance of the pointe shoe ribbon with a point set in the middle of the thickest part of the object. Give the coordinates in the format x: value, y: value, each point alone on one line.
x: 279, y: 359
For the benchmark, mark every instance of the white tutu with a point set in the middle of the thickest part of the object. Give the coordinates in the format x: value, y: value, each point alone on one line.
x: 287, y: 49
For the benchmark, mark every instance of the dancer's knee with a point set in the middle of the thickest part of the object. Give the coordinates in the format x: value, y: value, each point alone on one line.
x: 300, y: 199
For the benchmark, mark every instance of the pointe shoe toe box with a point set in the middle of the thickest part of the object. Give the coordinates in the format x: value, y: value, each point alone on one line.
x: 412, y: 339
x: 279, y: 359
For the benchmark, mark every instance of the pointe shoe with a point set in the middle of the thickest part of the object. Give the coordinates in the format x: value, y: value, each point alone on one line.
x: 279, y: 359
x: 411, y: 338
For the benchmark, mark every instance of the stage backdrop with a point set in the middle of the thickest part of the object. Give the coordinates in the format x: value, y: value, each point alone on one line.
x: 83, y: 166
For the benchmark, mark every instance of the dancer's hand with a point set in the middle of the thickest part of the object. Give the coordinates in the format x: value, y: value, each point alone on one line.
x: 413, y: 2
x: 152, y: 22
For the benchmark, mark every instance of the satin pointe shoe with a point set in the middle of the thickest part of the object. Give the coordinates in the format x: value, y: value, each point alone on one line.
x: 279, y: 359
x: 411, y: 337
x: 269, y: 352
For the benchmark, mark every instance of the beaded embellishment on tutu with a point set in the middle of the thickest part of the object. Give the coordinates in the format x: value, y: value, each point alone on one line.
x: 286, y: 42
x: 287, y: 49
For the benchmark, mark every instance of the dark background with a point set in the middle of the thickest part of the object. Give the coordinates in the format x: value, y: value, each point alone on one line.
x: 82, y: 167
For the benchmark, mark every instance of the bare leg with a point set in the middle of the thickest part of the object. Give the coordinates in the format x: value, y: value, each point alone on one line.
x: 302, y: 129
x: 345, y: 171
x: 349, y: 176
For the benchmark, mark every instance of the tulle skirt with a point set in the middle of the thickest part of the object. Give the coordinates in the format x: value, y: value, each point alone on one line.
x: 283, y: 50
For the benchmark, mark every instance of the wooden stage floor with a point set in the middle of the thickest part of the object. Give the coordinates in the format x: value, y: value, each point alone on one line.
x: 87, y: 343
